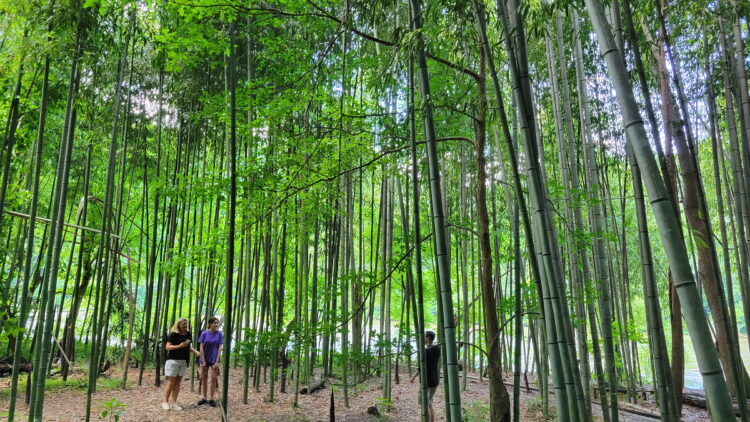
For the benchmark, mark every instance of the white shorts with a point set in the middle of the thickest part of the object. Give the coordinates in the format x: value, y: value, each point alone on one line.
x: 175, y: 368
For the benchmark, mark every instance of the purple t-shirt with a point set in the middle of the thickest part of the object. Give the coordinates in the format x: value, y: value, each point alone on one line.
x: 211, y: 342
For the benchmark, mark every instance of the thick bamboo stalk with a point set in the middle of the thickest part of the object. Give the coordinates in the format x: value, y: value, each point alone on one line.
x: 708, y: 361
x: 438, y: 220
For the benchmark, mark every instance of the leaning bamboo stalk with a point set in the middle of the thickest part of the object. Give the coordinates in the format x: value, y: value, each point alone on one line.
x: 48, y: 221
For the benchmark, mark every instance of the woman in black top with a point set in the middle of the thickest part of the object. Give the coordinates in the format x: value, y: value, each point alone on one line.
x: 178, y: 354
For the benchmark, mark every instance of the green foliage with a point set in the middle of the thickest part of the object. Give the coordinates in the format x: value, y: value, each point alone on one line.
x: 112, y: 410
x: 262, y: 346
x: 363, y: 359
x: 382, y: 341
x: 301, y: 136
x: 476, y: 411
x: 635, y: 334
x: 9, y: 327
x: 535, y: 405
x: 384, y: 405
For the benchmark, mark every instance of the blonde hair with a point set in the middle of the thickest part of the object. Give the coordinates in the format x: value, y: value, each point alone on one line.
x: 175, y: 328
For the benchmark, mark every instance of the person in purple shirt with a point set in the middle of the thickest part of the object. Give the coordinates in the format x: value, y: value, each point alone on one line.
x: 210, y: 341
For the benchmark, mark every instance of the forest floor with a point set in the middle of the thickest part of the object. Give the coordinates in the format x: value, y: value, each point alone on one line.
x: 142, y: 403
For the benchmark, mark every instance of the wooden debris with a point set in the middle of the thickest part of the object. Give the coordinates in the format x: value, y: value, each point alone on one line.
x: 315, y: 386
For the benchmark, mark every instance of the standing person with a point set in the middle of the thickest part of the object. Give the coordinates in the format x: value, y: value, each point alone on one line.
x: 210, y: 341
x: 432, y: 365
x: 178, y: 354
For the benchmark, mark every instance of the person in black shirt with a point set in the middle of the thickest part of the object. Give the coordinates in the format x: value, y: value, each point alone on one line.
x: 432, y: 367
x: 178, y: 354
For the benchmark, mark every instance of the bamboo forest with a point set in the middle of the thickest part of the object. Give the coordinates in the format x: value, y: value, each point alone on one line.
x: 375, y: 210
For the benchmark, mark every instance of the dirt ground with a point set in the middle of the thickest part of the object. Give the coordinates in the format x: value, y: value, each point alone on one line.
x: 143, y: 404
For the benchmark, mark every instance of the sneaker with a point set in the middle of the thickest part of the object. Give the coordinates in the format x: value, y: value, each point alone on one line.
x: 202, y: 401
x: 212, y: 403
x: 176, y: 407
x: 165, y: 406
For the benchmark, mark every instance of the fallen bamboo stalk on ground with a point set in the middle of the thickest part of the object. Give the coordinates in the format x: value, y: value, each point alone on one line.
x: 623, y: 407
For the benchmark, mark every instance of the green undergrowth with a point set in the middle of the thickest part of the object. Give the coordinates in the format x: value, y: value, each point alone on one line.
x: 476, y: 411
x: 82, y: 351
x: 76, y: 381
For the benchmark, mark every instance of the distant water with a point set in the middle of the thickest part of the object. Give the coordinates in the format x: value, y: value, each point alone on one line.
x: 692, y: 374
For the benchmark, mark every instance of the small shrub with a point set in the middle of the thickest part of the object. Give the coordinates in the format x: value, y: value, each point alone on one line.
x: 384, y: 405
x: 534, y: 404
x: 112, y: 410
x: 477, y: 411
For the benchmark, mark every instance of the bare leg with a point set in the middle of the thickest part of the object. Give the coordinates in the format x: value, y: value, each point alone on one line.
x: 432, y: 414
x: 214, y: 380
x: 176, y: 388
x: 168, y: 389
x: 204, y: 381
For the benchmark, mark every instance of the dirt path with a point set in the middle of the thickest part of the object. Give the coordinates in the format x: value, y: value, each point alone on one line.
x: 143, y: 404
